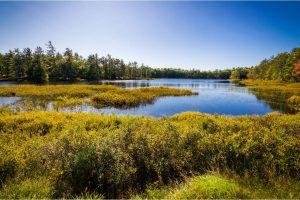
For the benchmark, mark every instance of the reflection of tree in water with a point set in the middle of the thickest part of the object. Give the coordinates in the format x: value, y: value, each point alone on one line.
x: 277, y: 100
x: 125, y: 84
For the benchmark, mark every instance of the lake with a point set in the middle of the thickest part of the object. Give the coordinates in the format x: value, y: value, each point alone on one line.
x: 215, y: 97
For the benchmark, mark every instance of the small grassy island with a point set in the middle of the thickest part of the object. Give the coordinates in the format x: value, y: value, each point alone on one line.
x: 97, y: 95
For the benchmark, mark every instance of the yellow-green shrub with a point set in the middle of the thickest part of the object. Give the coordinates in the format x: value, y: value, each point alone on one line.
x: 294, y: 102
x: 70, y: 102
x: 130, y: 98
x: 120, y: 155
x: 51, y: 91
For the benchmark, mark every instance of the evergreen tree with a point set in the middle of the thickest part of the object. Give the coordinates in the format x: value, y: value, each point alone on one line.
x: 19, y: 70
x: 69, y: 67
x: 8, y: 65
x: 1, y: 65
x: 50, y: 60
x: 93, y: 68
x: 39, y: 70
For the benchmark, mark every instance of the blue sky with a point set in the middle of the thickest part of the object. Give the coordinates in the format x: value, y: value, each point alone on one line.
x: 201, y: 35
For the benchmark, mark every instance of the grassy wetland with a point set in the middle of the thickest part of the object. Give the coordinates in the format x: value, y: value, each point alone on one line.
x: 96, y: 95
x: 189, y: 155
x: 202, y: 119
x: 289, y: 91
x: 51, y: 154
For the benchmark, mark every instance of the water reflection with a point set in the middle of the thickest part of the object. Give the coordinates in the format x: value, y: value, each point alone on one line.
x: 5, y: 101
x: 275, y: 99
x: 215, y: 96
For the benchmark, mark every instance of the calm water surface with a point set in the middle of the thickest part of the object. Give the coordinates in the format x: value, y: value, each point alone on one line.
x: 215, y: 97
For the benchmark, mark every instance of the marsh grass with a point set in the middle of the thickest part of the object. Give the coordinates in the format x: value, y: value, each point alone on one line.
x: 53, y: 91
x: 69, y: 102
x: 210, y: 186
x: 288, y: 87
x: 228, y: 185
x: 79, y: 154
x: 276, y: 188
x: 38, y: 97
x: 32, y: 188
x: 276, y: 91
x: 132, y: 98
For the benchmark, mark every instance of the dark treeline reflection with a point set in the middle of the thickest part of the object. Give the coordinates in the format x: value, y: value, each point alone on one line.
x: 177, y: 83
x: 277, y: 100
x: 43, y: 65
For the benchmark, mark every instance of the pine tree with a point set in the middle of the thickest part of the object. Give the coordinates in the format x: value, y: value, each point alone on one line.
x: 50, y: 60
x: 39, y: 70
x: 19, y: 70
x: 27, y: 63
x: 69, y: 67
x: 93, y: 68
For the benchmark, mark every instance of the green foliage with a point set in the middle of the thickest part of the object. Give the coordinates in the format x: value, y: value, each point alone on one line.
x: 81, y: 173
x: 89, y: 196
x: 7, y: 169
x: 38, y: 67
x: 69, y: 66
x: 239, y: 73
x: 213, y: 185
x: 294, y: 102
x: 93, y: 72
x: 19, y: 70
x: 282, y: 67
x: 210, y: 187
x: 37, y: 188
x: 119, y: 156
x: 275, y: 188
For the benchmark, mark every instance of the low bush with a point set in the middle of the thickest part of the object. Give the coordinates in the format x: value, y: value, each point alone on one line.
x: 294, y: 102
x: 131, y: 98
x: 70, y: 102
x: 117, y: 156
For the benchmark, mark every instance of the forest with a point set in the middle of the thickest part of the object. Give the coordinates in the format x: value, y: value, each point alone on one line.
x: 282, y: 67
x: 43, y: 65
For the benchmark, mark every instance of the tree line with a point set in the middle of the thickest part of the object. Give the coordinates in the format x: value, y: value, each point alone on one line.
x: 43, y: 65
x: 283, y: 67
